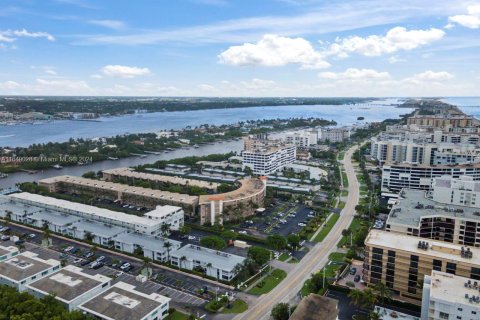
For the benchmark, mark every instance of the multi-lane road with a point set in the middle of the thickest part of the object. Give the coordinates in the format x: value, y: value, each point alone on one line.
x: 315, y: 259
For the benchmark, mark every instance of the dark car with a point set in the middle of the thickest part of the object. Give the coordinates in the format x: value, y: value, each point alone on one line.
x: 97, y: 265
x: 357, y: 278
x: 19, y: 242
x: 353, y: 271
x: 84, y: 263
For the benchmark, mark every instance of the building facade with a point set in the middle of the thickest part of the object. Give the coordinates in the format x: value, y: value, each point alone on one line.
x: 236, y: 204
x: 264, y: 157
x: 447, y: 296
x: 401, y: 262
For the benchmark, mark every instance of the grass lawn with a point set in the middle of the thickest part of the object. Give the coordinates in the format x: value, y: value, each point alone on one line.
x: 345, y: 179
x: 341, y: 205
x: 326, y: 229
x: 238, y: 306
x: 269, y: 282
x: 177, y: 315
x: 356, y: 223
x: 341, y: 155
x: 284, y: 256
x: 336, y: 256
x: 344, y: 193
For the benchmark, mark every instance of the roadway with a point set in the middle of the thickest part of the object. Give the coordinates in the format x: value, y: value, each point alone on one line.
x: 315, y: 259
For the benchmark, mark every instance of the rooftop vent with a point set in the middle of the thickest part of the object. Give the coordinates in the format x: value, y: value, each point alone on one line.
x: 422, y: 245
x: 466, y: 253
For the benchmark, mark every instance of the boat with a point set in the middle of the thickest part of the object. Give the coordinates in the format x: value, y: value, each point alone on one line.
x: 3, y: 175
x: 112, y: 158
x: 57, y: 166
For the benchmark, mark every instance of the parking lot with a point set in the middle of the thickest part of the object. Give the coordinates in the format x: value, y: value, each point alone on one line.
x: 354, y: 277
x: 283, y: 218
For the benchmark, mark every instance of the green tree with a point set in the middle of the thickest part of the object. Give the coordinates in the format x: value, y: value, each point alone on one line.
x: 280, y: 311
x: 229, y: 235
x: 276, y: 242
x: 259, y: 255
x: 213, y: 242
x: 293, y: 240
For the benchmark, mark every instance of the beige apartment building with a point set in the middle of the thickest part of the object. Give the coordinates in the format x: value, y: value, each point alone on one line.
x: 236, y: 204
x: 137, y: 196
x: 401, y: 261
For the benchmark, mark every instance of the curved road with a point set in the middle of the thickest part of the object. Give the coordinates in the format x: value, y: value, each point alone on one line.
x: 315, y: 259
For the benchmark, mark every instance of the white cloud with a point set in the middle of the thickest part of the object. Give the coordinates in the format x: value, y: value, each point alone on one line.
x: 396, y: 39
x: 274, y: 51
x: 63, y: 85
x: 470, y: 20
x: 257, y: 84
x: 430, y: 76
x: 96, y: 76
x: 9, y: 85
x: 207, y: 88
x: 119, y: 71
x: 355, y: 74
x: 13, y: 35
x: 395, y: 59
x: 111, y: 24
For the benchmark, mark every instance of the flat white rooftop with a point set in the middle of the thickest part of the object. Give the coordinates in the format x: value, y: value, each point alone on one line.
x: 122, y: 301
x: 68, y: 283
x: 25, y: 265
x: 218, y: 259
x: 452, y: 288
x: 436, y: 249
x: 83, y: 208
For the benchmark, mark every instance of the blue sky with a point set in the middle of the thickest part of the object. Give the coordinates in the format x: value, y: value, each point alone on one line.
x: 240, y: 48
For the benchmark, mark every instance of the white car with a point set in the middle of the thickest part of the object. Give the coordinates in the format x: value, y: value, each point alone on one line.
x: 191, y: 238
x: 125, y: 266
x: 78, y: 260
x: 243, y: 232
x: 300, y: 224
x: 68, y: 249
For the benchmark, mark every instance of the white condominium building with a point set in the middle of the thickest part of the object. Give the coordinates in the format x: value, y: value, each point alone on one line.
x: 395, y: 177
x: 265, y: 157
x: 447, y: 296
x: 463, y: 191
x: 170, y: 215
x: 302, y: 139
x: 334, y: 134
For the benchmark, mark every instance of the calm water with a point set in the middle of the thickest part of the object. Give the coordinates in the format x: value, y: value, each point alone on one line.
x: 59, y: 131
x: 23, y: 135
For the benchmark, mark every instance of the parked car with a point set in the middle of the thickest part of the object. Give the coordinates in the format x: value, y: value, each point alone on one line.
x: 100, y: 259
x: 124, y: 266
x: 84, y: 263
x: 78, y: 260
x: 88, y: 255
x: 68, y: 249
x: 353, y: 271
x: 357, y: 278
x: 243, y: 232
x: 19, y: 242
x: 32, y: 235
x: 191, y: 238
x: 5, y: 237
x: 301, y: 224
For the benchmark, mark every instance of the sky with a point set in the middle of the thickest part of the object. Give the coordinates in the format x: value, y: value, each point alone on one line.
x: 240, y: 48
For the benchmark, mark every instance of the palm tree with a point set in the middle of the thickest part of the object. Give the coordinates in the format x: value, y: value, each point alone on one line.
x: 383, y: 292
x: 356, y: 297
x: 165, y: 228
x: 208, y: 267
x: 88, y: 237
x: 168, y: 245
x: 182, y: 260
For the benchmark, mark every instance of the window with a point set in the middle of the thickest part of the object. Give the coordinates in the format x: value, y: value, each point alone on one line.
x: 443, y: 315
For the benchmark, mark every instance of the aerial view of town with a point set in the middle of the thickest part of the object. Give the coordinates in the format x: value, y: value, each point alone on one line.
x: 220, y: 160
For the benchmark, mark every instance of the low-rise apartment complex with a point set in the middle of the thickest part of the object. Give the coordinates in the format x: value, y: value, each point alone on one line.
x: 143, y: 197
x: 217, y: 264
x: 401, y: 262
x: 70, y: 285
x: 129, y: 175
